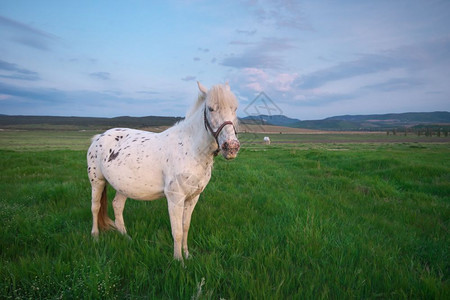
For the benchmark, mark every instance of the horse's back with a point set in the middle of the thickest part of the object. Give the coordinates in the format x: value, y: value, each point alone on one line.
x: 116, y: 136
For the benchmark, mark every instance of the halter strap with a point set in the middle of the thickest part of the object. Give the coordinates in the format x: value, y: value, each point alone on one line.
x: 217, y: 132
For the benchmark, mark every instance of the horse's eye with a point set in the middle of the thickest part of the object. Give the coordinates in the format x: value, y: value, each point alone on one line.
x: 210, y: 108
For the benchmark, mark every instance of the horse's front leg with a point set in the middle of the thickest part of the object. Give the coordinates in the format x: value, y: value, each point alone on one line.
x: 188, y: 209
x: 175, y: 202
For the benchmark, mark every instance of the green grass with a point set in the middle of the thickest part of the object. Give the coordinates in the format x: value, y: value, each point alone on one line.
x: 345, y: 220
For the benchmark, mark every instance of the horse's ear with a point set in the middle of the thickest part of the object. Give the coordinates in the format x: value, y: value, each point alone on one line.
x: 227, y: 86
x: 202, y: 89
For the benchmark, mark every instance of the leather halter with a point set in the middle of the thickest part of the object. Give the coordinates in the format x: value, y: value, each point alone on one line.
x: 217, y: 132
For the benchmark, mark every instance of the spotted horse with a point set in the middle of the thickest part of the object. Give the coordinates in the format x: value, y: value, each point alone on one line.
x: 175, y: 164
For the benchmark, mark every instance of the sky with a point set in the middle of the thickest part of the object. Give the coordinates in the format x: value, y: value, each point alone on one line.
x: 303, y: 59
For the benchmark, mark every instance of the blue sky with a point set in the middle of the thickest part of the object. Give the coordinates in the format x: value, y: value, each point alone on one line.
x: 314, y: 59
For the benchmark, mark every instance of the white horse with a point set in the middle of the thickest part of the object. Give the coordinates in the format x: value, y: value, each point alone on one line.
x: 266, y: 140
x: 175, y: 163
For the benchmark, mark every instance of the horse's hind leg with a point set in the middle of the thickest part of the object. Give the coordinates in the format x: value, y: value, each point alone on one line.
x: 118, y: 205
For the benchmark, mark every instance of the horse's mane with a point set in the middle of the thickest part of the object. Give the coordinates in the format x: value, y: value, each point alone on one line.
x: 219, y: 96
x: 200, y: 100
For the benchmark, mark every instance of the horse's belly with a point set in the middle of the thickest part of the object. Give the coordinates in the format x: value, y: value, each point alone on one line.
x: 140, y: 184
x: 138, y: 189
x: 146, y: 195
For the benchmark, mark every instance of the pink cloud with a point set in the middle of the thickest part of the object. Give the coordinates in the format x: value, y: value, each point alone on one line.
x: 283, y: 82
x: 258, y: 80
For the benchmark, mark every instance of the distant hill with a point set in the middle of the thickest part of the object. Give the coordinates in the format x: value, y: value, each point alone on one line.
x: 278, y: 120
x: 46, y: 122
x: 428, y: 117
x: 378, y: 122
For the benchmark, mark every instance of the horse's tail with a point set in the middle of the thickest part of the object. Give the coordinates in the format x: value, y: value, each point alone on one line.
x: 104, y: 222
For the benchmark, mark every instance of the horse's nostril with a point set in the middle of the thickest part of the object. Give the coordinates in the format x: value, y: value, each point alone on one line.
x: 225, y: 146
x: 231, y: 145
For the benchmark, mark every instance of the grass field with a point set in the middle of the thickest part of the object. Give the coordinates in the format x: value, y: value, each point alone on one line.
x: 295, y: 220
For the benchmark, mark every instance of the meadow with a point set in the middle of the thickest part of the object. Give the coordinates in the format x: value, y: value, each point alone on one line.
x: 302, y: 218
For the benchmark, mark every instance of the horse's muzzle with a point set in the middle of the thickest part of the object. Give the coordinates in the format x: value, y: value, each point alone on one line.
x: 230, y: 149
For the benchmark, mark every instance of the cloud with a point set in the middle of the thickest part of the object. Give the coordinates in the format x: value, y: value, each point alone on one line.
x: 394, y: 84
x: 27, y: 35
x: 196, y: 58
x: 83, y: 60
x: 265, y: 54
x: 148, y: 92
x: 241, y: 43
x: 429, y: 53
x: 36, y: 95
x: 13, y: 71
x: 435, y: 93
x: 189, y: 78
x: 253, y: 60
x: 409, y: 58
x: 275, y: 44
x: 205, y: 50
x: 246, y: 32
x: 366, y: 64
x: 259, y: 80
x: 321, y: 99
x: 20, y: 100
x: 101, y: 75
x: 281, y: 13
x: 251, y: 81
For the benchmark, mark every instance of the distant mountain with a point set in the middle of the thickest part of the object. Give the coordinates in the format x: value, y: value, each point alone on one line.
x: 356, y: 122
x: 377, y: 122
x: 278, y: 120
x: 426, y: 117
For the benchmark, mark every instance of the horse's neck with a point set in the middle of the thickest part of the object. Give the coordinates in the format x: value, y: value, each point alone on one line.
x: 204, y: 143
